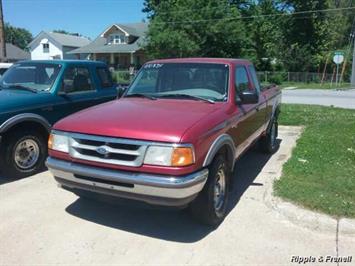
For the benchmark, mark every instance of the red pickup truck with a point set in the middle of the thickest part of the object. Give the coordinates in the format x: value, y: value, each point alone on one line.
x: 172, y: 138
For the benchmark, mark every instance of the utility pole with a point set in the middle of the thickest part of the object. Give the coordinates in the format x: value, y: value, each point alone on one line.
x: 2, y: 36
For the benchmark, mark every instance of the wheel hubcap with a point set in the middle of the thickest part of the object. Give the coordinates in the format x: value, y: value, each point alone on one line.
x: 219, y: 189
x: 26, y: 154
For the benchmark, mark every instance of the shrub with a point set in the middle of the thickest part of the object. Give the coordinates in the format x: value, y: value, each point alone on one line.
x: 121, y: 77
x: 276, y: 79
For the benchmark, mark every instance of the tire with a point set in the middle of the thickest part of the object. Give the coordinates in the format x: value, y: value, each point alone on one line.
x: 268, y: 143
x: 23, y: 153
x: 207, y: 208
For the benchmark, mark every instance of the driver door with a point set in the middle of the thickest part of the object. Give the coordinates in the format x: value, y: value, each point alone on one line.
x: 77, y: 91
x: 247, y: 117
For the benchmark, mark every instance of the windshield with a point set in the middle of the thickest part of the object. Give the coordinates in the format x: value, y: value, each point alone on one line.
x: 208, y: 81
x: 35, y: 76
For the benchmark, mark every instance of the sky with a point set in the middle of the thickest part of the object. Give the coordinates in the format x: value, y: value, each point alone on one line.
x: 87, y: 17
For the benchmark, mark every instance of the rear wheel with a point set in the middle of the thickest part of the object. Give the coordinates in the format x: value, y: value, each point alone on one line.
x: 23, y: 153
x: 210, y: 206
x: 269, y: 143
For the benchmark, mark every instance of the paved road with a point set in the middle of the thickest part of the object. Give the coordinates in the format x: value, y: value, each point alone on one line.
x: 42, y: 224
x: 343, y: 99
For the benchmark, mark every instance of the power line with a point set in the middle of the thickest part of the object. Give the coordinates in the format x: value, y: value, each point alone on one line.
x: 222, y: 8
x: 260, y: 16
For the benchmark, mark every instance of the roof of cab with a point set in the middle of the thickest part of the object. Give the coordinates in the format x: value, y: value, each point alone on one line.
x: 202, y: 60
x: 65, y: 62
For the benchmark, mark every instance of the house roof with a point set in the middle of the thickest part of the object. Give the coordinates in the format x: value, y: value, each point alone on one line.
x: 15, y: 53
x: 69, y: 40
x: 61, y: 39
x: 99, y: 45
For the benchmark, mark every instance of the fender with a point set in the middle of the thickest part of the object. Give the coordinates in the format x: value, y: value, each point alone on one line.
x: 24, y: 118
x: 218, y: 143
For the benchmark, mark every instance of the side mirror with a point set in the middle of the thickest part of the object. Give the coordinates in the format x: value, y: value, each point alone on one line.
x: 248, y: 97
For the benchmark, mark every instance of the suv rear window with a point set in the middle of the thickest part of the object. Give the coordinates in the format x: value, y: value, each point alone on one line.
x: 104, y: 77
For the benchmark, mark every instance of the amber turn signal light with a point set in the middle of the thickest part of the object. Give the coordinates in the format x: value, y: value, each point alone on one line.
x: 50, y: 141
x: 182, y: 156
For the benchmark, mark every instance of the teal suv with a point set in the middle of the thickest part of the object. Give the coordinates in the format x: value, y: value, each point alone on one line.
x: 36, y: 94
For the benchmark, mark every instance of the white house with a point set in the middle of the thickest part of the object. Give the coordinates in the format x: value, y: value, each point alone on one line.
x: 52, y: 45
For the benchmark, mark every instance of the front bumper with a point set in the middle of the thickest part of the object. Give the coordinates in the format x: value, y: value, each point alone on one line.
x: 153, y: 189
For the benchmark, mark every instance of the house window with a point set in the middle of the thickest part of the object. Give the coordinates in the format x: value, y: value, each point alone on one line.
x: 45, y: 47
x: 117, y: 39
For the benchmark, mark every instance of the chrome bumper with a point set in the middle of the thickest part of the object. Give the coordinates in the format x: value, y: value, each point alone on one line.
x: 154, y: 189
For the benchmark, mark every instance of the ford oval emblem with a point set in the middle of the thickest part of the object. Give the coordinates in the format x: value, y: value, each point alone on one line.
x: 102, y: 150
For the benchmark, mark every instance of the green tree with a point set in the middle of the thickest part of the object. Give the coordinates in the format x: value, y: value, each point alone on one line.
x: 17, y: 36
x: 308, y: 38
x: 272, y: 33
x: 263, y: 25
x: 180, y: 28
x: 62, y: 31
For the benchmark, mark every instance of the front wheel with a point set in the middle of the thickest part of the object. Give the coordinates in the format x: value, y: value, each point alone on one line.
x: 210, y: 206
x: 23, y: 153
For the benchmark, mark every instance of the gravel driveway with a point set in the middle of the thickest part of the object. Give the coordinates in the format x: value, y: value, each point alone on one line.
x: 42, y: 224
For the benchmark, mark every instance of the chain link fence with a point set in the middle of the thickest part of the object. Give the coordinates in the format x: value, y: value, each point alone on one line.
x: 299, y: 77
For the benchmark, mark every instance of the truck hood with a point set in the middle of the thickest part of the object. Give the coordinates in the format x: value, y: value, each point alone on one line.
x: 164, y: 120
x: 17, y: 99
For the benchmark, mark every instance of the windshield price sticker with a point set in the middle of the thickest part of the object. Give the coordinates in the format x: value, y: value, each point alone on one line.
x: 153, y: 65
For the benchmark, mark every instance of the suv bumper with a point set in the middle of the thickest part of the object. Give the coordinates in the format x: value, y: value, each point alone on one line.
x: 153, y: 189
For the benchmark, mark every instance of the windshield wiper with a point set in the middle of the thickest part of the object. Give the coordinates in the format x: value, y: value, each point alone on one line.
x: 22, y: 87
x: 141, y: 95
x: 186, y: 96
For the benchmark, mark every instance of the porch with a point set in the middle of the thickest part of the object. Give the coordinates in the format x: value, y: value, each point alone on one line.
x: 120, y: 60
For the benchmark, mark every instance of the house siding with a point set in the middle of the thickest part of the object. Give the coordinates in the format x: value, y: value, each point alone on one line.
x: 54, y: 52
x: 67, y: 49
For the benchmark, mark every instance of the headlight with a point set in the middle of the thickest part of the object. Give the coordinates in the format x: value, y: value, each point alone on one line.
x: 58, y: 142
x: 169, y: 156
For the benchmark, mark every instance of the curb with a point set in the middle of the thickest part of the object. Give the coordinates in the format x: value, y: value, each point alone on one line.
x: 302, y: 217
x: 306, y: 218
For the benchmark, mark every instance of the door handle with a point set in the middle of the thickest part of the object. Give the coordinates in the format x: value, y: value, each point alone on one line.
x: 257, y: 108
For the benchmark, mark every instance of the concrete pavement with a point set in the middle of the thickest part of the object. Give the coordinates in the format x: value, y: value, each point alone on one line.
x: 343, y: 99
x: 42, y: 224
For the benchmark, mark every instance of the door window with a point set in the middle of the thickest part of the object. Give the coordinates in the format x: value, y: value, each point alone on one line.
x: 241, y: 80
x: 77, y: 79
x: 254, y: 77
x: 104, y: 77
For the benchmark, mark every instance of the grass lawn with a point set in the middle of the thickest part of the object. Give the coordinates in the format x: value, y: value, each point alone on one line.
x: 325, y: 86
x: 320, y: 175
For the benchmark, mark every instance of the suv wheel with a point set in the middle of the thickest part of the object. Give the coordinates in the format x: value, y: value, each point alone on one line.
x: 210, y: 206
x: 23, y: 154
x: 269, y: 143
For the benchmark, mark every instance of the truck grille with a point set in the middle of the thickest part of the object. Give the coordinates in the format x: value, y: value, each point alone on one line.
x: 107, y: 150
